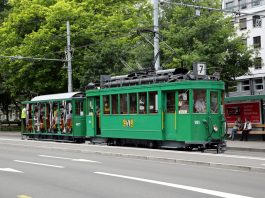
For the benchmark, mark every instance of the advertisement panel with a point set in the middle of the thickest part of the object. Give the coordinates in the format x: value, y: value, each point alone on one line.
x: 249, y: 110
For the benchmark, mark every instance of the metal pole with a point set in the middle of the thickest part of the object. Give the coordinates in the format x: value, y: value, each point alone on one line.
x: 156, y: 36
x: 69, y: 70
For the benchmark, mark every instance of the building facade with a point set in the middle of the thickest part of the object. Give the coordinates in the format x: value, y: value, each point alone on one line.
x: 251, y: 24
x: 13, y: 114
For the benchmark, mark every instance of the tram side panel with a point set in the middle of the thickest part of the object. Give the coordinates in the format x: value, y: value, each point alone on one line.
x: 132, y: 126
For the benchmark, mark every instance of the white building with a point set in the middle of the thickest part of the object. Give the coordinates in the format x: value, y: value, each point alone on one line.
x: 251, y: 23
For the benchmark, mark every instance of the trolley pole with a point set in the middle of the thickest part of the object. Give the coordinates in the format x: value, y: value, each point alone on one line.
x: 156, y: 36
x: 69, y: 61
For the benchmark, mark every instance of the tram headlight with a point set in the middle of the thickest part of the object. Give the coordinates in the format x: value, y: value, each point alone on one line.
x: 215, y: 128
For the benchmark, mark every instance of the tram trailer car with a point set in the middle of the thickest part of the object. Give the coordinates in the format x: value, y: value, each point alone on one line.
x: 168, y: 109
x: 59, y: 117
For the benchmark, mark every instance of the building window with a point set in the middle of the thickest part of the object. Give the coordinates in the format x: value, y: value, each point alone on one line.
x: 256, y: 2
x: 243, y: 24
x: 256, y: 42
x: 242, y: 4
x: 232, y: 86
x: 258, y: 84
x: 257, y: 22
x: 229, y: 5
x: 258, y: 63
x: 245, y: 41
x: 245, y: 85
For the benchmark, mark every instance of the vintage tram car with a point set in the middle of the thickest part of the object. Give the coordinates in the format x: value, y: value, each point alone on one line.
x: 167, y: 108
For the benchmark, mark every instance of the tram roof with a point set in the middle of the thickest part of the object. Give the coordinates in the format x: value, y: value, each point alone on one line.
x: 243, y: 98
x: 59, y: 96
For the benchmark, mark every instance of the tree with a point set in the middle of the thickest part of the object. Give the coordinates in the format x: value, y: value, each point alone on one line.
x: 210, y: 38
x: 101, y: 33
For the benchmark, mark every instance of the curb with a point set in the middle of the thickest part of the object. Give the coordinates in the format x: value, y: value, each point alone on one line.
x: 245, y: 149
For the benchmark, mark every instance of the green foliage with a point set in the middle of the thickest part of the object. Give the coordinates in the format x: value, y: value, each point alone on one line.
x: 101, y: 33
x: 208, y: 38
x: 105, y: 39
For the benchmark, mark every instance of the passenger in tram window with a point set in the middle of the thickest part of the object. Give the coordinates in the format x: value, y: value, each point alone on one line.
x: 200, y: 101
x: 55, y: 117
x: 69, y: 121
x: 183, y: 103
x: 106, y: 109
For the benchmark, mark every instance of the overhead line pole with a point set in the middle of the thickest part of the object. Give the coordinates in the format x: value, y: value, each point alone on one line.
x: 69, y: 59
x: 156, y: 35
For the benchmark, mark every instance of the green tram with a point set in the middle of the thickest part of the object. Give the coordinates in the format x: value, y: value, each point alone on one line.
x: 56, y: 117
x: 159, y: 109
x: 163, y: 108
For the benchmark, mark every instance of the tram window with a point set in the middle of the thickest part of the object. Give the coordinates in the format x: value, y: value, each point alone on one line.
x: 29, y: 117
x: 153, y: 102
x: 199, y: 101
x: 37, y: 117
x: 214, y: 102
x: 79, y: 108
x: 133, y: 103
x: 142, y: 103
x: 123, y: 103
x: 106, y: 104
x: 171, y: 107
x: 183, y: 103
x: 114, y: 104
x: 90, y: 106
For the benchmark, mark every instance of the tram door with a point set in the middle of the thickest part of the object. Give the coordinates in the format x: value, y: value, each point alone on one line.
x: 169, y: 123
x: 93, y: 116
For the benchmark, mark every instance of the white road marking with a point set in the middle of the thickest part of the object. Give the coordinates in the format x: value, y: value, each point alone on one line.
x: 66, y: 158
x: 184, y: 187
x: 23, y: 196
x: 10, y: 170
x: 40, y: 164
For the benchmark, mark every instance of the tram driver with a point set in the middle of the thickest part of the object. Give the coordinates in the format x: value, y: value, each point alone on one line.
x: 200, y: 101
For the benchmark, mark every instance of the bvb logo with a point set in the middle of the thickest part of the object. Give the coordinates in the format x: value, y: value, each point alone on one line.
x: 128, y: 123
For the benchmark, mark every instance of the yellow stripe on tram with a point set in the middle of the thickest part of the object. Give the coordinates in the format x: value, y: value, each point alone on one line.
x: 162, y: 120
x: 175, y: 120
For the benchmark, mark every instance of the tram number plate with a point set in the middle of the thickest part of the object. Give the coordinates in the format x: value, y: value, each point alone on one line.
x: 197, y: 122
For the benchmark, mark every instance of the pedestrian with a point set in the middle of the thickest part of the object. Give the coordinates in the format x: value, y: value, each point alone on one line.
x: 23, y: 116
x: 247, y: 128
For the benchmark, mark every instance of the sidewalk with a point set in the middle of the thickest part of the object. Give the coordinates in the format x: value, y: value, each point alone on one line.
x: 255, y: 146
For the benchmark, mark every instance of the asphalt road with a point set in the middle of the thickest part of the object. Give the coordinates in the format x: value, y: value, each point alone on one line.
x: 40, y: 170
